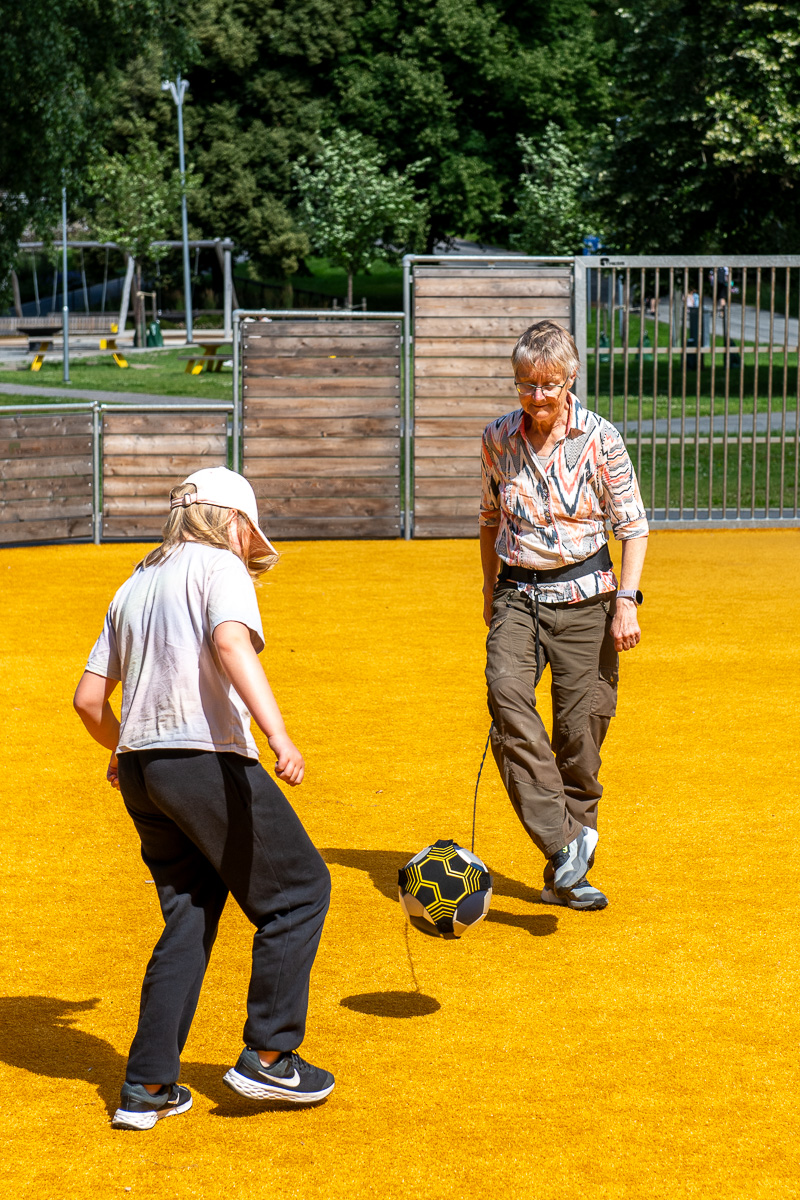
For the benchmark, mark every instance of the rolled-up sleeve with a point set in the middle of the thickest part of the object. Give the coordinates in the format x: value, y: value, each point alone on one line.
x: 622, y: 499
x: 490, y: 486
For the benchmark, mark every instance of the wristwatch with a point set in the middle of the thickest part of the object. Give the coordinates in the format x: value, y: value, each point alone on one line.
x: 630, y: 594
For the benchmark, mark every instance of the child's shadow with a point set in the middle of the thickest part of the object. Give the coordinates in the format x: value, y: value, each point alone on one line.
x: 37, y: 1034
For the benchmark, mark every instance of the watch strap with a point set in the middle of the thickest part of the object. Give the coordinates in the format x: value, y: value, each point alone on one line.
x: 630, y: 594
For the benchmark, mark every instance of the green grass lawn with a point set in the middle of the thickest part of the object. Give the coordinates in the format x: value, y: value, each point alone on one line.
x: 158, y: 371
x: 736, y: 476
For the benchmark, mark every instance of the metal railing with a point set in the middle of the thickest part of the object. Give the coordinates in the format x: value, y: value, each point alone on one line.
x: 696, y: 361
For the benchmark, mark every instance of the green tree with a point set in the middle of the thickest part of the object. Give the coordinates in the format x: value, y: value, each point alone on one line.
x: 552, y: 214
x: 354, y: 210
x: 706, y: 144
x: 450, y: 81
x: 57, y: 72
x: 136, y: 202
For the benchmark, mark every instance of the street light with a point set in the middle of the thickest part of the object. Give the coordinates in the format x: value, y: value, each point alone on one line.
x: 177, y: 91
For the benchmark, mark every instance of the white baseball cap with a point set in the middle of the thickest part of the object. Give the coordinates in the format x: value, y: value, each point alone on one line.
x: 225, y: 489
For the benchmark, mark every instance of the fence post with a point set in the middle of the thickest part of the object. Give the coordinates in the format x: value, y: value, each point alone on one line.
x: 407, y: 459
x: 579, y: 315
x: 97, y: 500
x: 227, y: 274
x: 236, y: 391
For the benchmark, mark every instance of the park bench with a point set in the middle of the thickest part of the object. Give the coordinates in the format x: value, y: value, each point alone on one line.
x: 41, y: 333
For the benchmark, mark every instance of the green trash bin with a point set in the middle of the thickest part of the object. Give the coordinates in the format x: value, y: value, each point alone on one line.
x: 154, y: 336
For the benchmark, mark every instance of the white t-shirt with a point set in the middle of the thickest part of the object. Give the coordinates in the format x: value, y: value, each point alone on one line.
x: 157, y: 641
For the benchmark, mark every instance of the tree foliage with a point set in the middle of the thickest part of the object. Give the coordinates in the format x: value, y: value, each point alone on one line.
x: 135, y: 201
x: 57, y: 70
x: 673, y: 123
x: 353, y: 209
x: 450, y: 81
x: 706, y: 143
x: 552, y: 215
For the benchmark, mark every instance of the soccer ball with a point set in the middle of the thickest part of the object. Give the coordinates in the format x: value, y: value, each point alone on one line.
x: 445, y: 888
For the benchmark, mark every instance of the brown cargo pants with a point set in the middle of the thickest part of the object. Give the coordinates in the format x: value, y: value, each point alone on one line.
x: 552, y: 786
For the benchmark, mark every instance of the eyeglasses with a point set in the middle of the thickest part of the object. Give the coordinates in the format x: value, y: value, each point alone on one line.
x: 547, y: 389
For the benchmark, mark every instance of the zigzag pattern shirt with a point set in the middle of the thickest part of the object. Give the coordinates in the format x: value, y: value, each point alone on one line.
x: 555, y: 513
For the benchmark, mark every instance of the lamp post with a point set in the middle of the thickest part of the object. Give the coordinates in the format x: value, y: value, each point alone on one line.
x: 65, y: 309
x: 177, y: 91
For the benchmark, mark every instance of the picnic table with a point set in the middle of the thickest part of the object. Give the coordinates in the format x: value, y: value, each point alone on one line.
x: 207, y: 355
x: 40, y: 339
x: 41, y: 333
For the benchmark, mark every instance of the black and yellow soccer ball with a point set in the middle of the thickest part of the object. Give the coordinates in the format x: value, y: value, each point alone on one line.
x: 445, y: 889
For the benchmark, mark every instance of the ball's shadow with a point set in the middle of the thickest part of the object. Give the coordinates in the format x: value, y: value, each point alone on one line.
x: 392, y: 1004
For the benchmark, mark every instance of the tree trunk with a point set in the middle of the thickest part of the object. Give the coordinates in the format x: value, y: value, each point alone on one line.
x: 15, y: 289
x: 287, y: 294
x: 349, y: 289
x: 141, y: 338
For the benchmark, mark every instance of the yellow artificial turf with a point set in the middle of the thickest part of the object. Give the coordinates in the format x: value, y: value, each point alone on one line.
x: 646, y: 1051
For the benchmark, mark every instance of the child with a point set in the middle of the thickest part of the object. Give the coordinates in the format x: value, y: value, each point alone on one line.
x: 183, y: 635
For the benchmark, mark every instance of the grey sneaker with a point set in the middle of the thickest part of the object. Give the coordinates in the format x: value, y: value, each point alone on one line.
x: 572, y: 863
x: 581, y: 896
x: 139, y: 1110
x: 289, y: 1078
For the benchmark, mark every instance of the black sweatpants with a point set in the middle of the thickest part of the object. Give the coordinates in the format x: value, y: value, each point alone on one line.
x: 211, y: 824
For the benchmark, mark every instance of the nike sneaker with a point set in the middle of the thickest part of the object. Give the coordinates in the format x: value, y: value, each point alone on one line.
x: 571, y: 864
x: 581, y: 896
x: 139, y: 1110
x: 290, y: 1078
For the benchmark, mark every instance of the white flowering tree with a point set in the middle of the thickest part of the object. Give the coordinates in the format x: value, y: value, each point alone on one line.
x: 550, y: 216
x: 353, y: 208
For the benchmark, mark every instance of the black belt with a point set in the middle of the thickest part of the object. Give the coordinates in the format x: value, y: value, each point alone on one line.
x: 599, y: 561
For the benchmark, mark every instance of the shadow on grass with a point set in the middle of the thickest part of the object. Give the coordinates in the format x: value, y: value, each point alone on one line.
x: 382, y: 867
x: 38, y: 1035
x: 392, y: 1004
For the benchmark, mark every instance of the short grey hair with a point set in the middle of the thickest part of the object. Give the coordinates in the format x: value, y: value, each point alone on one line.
x: 546, y: 344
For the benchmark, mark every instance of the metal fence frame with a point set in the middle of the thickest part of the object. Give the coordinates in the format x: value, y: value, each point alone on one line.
x: 715, y: 346
x: 581, y: 298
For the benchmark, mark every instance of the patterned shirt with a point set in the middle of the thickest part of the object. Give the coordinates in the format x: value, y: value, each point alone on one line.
x: 555, y: 514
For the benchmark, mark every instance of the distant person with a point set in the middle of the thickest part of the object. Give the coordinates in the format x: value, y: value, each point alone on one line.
x: 183, y: 636
x: 553, y: 475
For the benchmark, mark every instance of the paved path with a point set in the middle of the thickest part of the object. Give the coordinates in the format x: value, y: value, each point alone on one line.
x: 719, y: 424
x: 778, y: 330
x: 87, y: 394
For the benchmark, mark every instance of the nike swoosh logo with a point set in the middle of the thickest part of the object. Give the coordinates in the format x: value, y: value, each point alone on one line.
x: 292, y: 1083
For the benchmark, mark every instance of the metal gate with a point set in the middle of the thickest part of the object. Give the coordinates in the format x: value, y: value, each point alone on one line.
x: 695, y: 360
x: 321, y: 424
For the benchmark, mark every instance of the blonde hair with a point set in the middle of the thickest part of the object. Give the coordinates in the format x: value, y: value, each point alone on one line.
x: 210, y: 525
x: 546, y: 344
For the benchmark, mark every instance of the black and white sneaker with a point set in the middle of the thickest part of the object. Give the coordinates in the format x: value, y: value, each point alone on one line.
x: 581, y: 896
x: 572, y: 863
x: 139, y: 1110
x: 290, y: 1078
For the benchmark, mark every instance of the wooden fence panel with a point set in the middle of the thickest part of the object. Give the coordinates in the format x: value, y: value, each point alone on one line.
x: 321, y: 425
x: 45, y: 477
x: 466, y: 321
x: 147, y: 454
